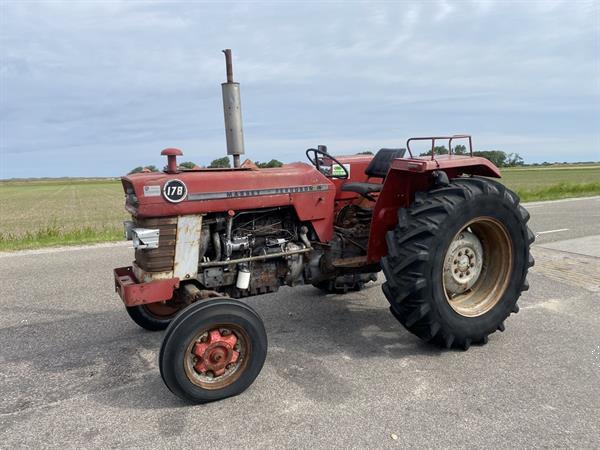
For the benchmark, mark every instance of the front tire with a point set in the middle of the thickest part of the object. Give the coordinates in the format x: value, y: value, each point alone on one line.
x: 457, y: 262
x: 214, y: 349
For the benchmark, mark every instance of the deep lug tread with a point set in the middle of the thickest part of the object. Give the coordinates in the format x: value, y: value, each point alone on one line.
x: 390, y: 241
x: 510, y: 197
x: 417, y: 286
x: 448, y: 340
x: 402, y: 218
x: 433, y: 330
x: 417, y: 314
x: 405, y: 263
x: 424, y: 229
x: 525, y: 216
x: 431, y: 208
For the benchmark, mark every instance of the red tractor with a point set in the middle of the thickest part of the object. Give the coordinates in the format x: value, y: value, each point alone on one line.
x: 452, y: 242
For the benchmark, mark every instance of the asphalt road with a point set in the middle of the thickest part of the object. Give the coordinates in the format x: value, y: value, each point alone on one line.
x: 341, y: 372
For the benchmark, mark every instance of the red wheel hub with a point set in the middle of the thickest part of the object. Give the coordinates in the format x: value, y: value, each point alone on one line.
x: 216, y: 352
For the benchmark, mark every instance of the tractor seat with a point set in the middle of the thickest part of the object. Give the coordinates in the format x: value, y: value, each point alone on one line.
x: 377, y: 168
x: 362, y: 188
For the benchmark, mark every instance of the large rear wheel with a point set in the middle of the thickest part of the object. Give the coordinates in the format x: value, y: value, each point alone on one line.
x: 458, y: 261
x: 214, y: 349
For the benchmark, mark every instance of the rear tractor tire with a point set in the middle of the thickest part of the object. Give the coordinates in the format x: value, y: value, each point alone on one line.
x: 214, y: 349
x: 457, y: 262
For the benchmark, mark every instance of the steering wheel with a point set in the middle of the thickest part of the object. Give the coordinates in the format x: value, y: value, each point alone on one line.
x: 316, y: 161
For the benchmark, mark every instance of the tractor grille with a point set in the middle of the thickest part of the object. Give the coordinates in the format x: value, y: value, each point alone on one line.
x: 159, y: 259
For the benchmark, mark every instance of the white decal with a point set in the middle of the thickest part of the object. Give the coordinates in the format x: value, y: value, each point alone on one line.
x: 152, y: 191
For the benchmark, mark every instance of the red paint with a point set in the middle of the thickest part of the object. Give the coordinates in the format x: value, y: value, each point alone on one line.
x: 171, y: 154
x: 134, y: 293
x: 316, y: 206
x: 451, y: 164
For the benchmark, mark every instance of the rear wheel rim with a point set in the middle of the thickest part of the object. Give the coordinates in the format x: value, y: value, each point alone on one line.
x: 217, y: 356
x: 162, y: 310
x: 477, y: 267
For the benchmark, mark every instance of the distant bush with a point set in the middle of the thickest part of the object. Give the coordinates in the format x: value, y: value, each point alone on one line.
x: 140, y: 169
x: 266, y: 165
x: 222, y: 163
x: 187, y: 165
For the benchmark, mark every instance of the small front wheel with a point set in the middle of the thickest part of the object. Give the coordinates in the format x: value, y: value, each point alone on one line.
x: 214, y: 349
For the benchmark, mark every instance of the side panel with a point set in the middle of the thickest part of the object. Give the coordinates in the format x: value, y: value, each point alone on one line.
x: 398, y: 192
x: 187, y: 246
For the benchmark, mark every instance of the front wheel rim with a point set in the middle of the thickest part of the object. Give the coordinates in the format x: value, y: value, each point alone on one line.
x: 477, y: 267
x: 217, y: 356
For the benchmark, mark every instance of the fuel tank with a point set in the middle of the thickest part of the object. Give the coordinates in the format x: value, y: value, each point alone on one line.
x: 204, y: 191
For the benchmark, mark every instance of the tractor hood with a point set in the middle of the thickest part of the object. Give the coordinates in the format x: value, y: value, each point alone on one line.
x: 205, y: 191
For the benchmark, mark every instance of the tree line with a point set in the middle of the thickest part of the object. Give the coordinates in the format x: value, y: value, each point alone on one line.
x: 219, y: 163
x: 498, y: 157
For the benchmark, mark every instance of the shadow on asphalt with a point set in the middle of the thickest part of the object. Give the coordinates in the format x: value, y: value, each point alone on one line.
x: 88, y: 354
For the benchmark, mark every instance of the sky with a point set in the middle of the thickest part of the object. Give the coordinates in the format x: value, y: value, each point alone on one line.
x: 95, y: 88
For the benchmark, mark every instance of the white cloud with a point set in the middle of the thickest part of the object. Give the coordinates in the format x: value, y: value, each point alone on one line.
x: 86, y: 81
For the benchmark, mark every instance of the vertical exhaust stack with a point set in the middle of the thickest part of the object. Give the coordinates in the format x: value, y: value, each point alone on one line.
x: 232, y: 107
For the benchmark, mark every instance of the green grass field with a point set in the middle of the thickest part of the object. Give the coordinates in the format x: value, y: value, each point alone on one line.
x: 554, y: 182
x: 45, y: 213
x: 63, y: 212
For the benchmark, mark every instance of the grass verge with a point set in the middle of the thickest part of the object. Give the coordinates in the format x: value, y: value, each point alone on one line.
x: 558, y: 191
x: 54, y: 236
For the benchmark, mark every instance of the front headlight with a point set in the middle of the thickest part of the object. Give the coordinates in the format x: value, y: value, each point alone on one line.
x: 145, y: 238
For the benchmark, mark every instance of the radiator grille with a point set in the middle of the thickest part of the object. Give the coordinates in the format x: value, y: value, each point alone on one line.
x: 159, y: 259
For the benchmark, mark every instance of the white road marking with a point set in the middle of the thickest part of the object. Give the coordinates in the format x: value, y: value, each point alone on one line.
x: 562, y: 200
x: 70, y: 248
x: 551, y: 231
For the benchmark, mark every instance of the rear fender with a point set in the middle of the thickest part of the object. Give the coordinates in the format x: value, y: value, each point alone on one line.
x: 405, y: 178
